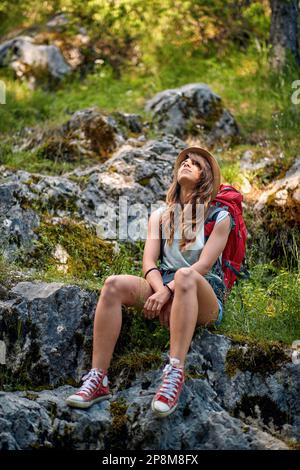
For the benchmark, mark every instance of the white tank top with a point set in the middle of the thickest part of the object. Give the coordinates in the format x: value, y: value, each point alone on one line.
x: 173, y: 258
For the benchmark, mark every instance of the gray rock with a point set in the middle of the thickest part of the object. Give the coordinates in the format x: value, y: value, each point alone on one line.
x: 129, y: 122
x: 280, y: 191
x: 192, y: 109
x: 47, y: 330
x: 34, y: 420
x: 88, y: 133
x: 246, y: 162
x: 42, y: 323
x: 17, y: 223
x: 266, y: 393
x: 142, y: 175
x: 42, y: 420
x: 58, y: 21
x: 23, y: 199
x: 139, y: 174
x: 28, y: 59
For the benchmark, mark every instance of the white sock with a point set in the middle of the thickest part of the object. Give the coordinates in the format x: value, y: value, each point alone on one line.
x: 175, y: 362
x: 100, y: 371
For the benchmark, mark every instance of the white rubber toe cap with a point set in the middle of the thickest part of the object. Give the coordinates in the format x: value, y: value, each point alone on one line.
x: 160, y: 406
x: 76, y: 398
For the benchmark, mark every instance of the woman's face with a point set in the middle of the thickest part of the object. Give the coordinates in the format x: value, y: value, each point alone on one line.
x: 189, y: 172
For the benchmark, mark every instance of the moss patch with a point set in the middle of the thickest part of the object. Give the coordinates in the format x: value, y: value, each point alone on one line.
x: 57, y: 148
x: 4, y: 269
x: 275, y: 235
x: 292, y: 444
x: 117, y: 436
x: 21, y: 381
x: 88, y: 255
x: 125, y: 366
x: 256, y: 358
x: 118, y: 411
x: 51, y: 205
x: 144, y: 181
x: 96, y: 140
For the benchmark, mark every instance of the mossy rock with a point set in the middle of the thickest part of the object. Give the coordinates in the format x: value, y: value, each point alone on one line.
x: 101, y: 136
x: 118, y: 409
x: 129, y: 128
x: 91, y: 138
x: 55, y: 204
x: 270, y: 173
x: 274, y: 232
x: 144, y: 181
x: 198, y: 125
x: 118, y: 433
x: 264, y: 409
x: 254, y: 357
x: 88, y: 255
x: 125, y: 367
x: 58, y: 148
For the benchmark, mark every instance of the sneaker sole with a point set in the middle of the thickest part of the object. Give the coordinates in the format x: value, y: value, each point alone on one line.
x: 86, y: 404
x: 163, y: 414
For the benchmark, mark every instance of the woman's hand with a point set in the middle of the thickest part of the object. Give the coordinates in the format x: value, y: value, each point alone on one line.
x: 155, y: 302
x: 164, y: 316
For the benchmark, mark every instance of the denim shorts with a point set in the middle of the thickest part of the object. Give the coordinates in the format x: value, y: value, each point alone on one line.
x: 217, y: 285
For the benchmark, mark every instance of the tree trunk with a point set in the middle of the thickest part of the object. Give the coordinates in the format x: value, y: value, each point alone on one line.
x: 284, y: 32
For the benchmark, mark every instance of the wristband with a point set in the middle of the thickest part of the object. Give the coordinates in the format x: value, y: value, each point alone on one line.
x: 166, y: 285
x: 150, y: 270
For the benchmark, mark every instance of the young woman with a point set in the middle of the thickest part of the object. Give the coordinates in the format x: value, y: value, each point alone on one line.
x: 186, y: 291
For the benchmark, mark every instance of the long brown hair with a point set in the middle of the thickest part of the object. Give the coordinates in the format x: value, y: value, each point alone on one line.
x: 201, y: 194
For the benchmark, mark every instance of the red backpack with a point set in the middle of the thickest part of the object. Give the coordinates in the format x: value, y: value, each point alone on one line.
x: 233, y: 256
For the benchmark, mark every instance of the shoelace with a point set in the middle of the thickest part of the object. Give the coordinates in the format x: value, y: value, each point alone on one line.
x: 91, y: 381
x: 171, y: 376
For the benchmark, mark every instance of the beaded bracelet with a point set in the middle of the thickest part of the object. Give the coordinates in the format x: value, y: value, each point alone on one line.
x: 150, y: 270
x: 166, y: 285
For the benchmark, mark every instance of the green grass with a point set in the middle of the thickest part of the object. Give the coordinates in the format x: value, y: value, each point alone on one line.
x: 266, y: 307
x: 260, y: 101
x: 25, y: 107
x: 33, y: 163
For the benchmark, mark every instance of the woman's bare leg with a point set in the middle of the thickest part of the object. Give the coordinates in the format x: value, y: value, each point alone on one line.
x: 194, y: 303
x: 118, y: 290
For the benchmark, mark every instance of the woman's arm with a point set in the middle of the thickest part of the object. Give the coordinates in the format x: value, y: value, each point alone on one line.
x: 212, y: 248
x: 152, y: 251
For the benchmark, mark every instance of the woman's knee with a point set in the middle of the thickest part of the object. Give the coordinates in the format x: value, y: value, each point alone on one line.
x: 123, y: 288
x: 111, y: 288
x: 185, y: 279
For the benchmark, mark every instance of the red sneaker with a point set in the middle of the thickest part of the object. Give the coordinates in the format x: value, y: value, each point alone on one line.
x: 95, y: 388
x: 166, y: 399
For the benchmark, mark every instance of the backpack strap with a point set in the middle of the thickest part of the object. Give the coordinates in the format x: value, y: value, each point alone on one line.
x: 213, y: 214
x: 217, y: 208
x: 242, y: 274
